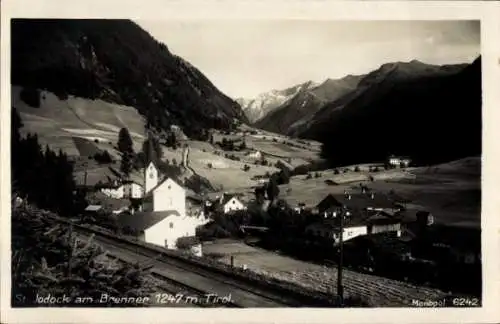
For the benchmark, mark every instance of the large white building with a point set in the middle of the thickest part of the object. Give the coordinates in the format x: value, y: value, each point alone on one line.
x: 161, y: 228
x: 163, y: 219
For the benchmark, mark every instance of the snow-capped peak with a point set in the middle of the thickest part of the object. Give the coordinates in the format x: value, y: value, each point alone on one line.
x: 266, y: 102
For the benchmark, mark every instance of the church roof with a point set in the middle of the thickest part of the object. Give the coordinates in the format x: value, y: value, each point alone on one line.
x: 150, y: 192
x: 141, y: 221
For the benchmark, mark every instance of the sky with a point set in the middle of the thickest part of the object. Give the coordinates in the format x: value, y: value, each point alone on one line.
x: 244, y: 58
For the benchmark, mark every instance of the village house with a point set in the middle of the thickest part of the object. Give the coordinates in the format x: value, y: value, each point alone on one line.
x: 162, y: 228
x: 364, y: 202
x: 300, y: 208
x: 398, y: 161
x: 122, y: 189
x: 230, y: 203
x: 364, y: 214
x: 261, y: 178
x: 355, y: 224
x: 133, y: 189
x: 255, y: 155
x: 116, y: 191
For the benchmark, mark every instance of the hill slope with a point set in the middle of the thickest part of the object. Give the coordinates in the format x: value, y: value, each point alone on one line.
x: 118, y: 62
x: 430, y: 113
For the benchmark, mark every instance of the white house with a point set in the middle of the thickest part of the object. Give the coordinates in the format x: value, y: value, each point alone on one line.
x: 398, y: 161
x: 361, y: 217
x: 114, y: 191
x: 127, y: 189
x: 255, y: 155
x: 161, y: 228
x: 133, y: 190
x: 231, y: 203
x: 330, y: 231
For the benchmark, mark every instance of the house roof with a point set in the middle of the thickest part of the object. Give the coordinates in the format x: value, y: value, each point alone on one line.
x: 141, y: 221
x: 93, y: 208
x: 358, y: 218
x: 150, y: 192
x: 227, y: 198
x: 355, y: 201
x: 381, y: 241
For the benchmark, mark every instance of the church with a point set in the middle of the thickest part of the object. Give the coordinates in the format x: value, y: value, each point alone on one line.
x: 163, y: 219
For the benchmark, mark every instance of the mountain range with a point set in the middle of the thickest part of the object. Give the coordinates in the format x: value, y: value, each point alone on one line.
x: 119, y: 62
x: 266, y: 102
x: 410, y: 108
x: 305, y: 103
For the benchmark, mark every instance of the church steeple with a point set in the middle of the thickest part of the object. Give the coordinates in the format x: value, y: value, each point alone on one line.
x: 150, y: 177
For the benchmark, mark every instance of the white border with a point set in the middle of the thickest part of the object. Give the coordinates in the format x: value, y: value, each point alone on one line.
x: 487, y: 12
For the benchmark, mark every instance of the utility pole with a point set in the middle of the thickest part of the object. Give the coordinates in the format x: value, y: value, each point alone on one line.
x: 340, y: 287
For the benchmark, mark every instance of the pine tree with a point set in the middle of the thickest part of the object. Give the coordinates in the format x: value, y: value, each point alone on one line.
x: 125, y: 146
x: 126, y: 164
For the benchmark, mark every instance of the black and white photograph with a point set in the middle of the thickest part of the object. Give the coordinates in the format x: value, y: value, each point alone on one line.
x: 245, y: 163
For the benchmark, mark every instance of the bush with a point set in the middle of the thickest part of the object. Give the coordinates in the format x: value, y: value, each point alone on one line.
x: 209, y: 165
x: 336, y: 171
x: 47, y: 257
x: 96, y: 140
x: 309, y: 176
x: 356, y: 169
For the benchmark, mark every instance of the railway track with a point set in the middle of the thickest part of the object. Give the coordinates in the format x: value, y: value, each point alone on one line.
x: 173, y: 293
x: 194, y: 279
